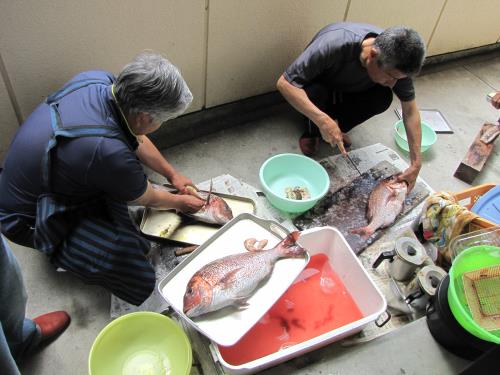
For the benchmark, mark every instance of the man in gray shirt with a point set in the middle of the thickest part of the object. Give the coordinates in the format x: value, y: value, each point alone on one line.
x: 346, y: 75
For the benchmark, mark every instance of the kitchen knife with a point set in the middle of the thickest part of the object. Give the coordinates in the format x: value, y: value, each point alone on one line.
x: 352, y: 162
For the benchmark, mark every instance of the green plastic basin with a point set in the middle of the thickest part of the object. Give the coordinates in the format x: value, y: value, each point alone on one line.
x: 143, y: 343
x: 290, y: 170
x: 429, y: 136
x: 471, y: 259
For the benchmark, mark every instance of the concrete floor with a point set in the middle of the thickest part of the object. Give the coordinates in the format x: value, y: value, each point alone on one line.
x: 457, y: 89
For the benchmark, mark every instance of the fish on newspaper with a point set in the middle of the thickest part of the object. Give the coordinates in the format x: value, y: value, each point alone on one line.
x: 232, y: 279
x: 384, y: 205
x: 214, y: 211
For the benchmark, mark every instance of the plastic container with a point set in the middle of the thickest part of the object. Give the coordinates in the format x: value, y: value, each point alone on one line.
x: 429, y: 136
x: 488, y: 205
x: 486, y: 236
x: 293, y: 170
x: 474, y: 258
x: 347, y: 266
x: 468, y: 198
x: 141, y: 343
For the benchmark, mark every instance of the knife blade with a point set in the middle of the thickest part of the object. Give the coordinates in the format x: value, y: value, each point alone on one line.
x: 352, y: 162
x: 349, y: 158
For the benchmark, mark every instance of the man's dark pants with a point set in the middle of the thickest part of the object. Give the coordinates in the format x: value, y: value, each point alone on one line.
x: 349, y: 109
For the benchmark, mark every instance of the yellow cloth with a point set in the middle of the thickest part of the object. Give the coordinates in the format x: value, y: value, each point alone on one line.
x: 442, y: 219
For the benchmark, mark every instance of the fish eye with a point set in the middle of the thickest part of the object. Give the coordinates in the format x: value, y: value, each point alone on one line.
x: 190, y: 291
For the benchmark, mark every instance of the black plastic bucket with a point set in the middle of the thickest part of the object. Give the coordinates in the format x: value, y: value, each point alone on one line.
x: 447, y: 331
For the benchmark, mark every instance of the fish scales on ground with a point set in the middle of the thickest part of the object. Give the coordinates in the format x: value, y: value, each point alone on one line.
x: 385, y: 203
x: 232, y: 279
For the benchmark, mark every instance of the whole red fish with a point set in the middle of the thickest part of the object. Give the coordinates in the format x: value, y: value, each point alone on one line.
x: 384, y: 205
x: 232, y: 279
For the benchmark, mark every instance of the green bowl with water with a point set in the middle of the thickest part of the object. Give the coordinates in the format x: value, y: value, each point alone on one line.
x: 429, y: 136
x: 141, y: 343
x: 471, y: 259
x: 284, y: 171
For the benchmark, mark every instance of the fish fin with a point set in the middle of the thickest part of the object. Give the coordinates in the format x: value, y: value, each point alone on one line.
x: 230, y: 277
x: 364, y: 232
x: 241, y: 303
x: 394, y: 192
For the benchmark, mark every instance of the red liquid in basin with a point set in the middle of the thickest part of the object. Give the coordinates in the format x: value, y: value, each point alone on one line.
x: 315, y: 304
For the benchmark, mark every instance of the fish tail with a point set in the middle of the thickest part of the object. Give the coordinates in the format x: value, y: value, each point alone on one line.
x: 289, y: 247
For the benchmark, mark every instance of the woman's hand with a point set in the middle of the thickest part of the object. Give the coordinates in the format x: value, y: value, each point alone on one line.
x: 180, y: 182
x: 188, y: 203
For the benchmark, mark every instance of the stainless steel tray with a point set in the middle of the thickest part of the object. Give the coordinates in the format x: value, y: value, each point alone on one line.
x: 168, y: 225
x: 227, y: 326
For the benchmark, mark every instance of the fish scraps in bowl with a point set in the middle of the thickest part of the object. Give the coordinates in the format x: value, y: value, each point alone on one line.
x: 297, y: 193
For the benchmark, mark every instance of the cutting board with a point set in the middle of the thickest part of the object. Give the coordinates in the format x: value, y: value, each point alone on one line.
x: 346, y: 207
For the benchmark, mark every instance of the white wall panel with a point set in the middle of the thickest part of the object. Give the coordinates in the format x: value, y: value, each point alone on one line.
x: 420, y: 15
x: 466, y: 24
x: 46, y: 42
x: 250, y: 43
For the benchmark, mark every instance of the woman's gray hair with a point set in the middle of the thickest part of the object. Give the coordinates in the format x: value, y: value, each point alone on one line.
x: 400, y: 48
x: 151, y: 84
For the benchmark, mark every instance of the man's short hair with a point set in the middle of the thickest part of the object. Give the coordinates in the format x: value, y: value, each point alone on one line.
x: 151, y: 84
x: 400, y: 48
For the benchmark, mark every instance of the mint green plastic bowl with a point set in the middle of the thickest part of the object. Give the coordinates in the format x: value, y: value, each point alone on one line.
x: 289, y: 170
x: 429, y: 136
x: 141, y: 343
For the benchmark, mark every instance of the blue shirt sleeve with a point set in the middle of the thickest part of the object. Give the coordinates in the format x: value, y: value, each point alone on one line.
x: 117, y: 171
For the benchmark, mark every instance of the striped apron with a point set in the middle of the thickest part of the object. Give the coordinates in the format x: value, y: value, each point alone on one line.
x: 95, y: 240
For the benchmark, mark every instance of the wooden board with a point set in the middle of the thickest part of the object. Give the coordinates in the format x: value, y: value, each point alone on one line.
x: 345, y: 208
x: 476, y: 156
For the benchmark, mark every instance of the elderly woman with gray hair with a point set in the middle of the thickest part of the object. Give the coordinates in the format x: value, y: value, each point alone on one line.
x: 76, y: 163
x: 346, y: 75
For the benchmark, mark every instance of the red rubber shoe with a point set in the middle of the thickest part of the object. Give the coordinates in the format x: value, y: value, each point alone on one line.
x: 309, y: 144
x: 347, y: 140
x: 52, y: 324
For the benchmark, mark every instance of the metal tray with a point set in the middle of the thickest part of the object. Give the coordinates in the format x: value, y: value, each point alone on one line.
x: 168, y: 225
x: 227, y: 326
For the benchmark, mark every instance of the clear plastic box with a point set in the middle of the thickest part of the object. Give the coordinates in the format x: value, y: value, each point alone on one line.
x: 487, y: 236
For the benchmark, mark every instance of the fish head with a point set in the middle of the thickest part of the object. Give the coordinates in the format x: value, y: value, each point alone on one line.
x: 198, y: 297
x: 393, y: 182
x: 220, y: 209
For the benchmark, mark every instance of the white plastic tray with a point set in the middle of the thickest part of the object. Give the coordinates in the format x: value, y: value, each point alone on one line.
x: 229, y: 325
x: 346, y: 264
